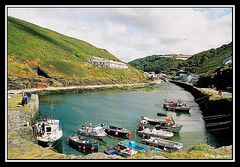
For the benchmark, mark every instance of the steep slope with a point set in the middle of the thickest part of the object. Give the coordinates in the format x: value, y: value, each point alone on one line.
x: 207, y: 61
x: 204, y: 63
x: 39, y: 56
x: 156, y: 63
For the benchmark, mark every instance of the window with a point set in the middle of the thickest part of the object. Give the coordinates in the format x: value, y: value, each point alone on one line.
x: 48, y: 129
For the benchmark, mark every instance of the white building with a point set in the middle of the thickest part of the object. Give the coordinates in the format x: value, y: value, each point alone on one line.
x: 107, y: 63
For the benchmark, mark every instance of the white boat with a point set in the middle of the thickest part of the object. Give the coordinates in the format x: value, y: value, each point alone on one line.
x: 97, y: 132
x: 162, y: 143
x: 167, y: 124
x: 48, y: 132
x: 156, y: 133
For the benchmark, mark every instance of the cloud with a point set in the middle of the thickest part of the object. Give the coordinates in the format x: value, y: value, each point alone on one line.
x: 131, y: 33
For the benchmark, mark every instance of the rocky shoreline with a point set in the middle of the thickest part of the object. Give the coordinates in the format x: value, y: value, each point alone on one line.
x: 76, y: 89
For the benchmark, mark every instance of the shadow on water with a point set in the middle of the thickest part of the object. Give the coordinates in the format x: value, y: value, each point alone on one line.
x: 183, y: 113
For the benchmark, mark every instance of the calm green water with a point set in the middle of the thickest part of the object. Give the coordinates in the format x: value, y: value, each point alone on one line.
x: 123, y: 108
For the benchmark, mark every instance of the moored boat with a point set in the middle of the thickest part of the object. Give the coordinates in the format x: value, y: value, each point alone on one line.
x: 112, y: 150
x: 137, y: 146
x: 155, y: 133
x: 96, y: 132
x: 170, y: 128
x: 152, y: 121
x: 182, y: 107
x: 167, y: 124
x: 161, y: 114
x: 83, y: 143
x: 162, y: 143
x: 178, y: 105
x: 126, y: 152
x: 48, y: 132
x: 116, y: 131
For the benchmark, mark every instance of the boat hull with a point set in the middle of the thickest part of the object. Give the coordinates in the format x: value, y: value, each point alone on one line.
x: 161, y: 114
x: 136, y: 146
x: 174, y: 129
x: 77, y: 145
x: 163, y: 135
x: 181, y: 109
x: 116, y: 133
x: 49, y: 143
x: 161, y: 143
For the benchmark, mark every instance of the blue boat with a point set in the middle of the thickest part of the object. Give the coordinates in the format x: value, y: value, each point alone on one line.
x: 120, y: 152
x: 138, y: 146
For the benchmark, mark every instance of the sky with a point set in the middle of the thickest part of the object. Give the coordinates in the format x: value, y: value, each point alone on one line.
x: 131, y: 33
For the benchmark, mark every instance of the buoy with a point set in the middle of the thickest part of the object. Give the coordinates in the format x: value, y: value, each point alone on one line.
x: 79, y: 147
x: 92, y: 148
x: 83, y: 147
x: 116, y: 133
x: 128, y: 134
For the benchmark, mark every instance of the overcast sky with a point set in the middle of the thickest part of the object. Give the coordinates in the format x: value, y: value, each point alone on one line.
x: 131, y: 33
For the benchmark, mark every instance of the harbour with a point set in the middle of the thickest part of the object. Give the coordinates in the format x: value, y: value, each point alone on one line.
x: 123, y: 108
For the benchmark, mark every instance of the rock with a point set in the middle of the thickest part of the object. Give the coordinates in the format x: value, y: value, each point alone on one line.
x: 156, y: 157
x: 101, y: 156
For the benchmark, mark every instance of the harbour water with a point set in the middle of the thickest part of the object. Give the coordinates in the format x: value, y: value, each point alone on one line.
x: 124, y: 108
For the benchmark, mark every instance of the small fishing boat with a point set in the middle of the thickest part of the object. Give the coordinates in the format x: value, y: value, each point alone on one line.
x: 183, y: 107
x: 170, y: 128
x: 161, y: 114
x: 116, y: 131
x: 137, y: 146
x: 155, y: 133
x: 83, y: 143
x: 178, y: 105
x: 167, y: 124
x: 152, y: 121
x: 96, y: 132
x: 48, y: 132
x: 112, y: 150
x: 162, y: 143
x: 126, y: 152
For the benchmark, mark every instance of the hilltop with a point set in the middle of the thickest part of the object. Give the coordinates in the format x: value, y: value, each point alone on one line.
x: 39, y: 57
x: 207, y: 61
x: 204, y: 63
x: 156, y: 63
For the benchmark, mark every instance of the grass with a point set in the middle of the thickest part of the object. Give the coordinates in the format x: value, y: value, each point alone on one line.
x: 207, y: 62
x: 58, y: 55
x: 201, y: 151
x: 14, y: 103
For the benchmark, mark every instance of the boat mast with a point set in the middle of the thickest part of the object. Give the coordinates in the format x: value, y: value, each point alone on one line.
x: 51, y: 107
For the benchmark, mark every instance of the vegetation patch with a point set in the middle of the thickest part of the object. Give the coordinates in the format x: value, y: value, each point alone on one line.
x: 59, y: 57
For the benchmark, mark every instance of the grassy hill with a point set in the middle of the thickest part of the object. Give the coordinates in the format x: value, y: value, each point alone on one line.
x: 38, y: 55
x: 207, y: 62
x: 156, y: 63
x: 204, y: 63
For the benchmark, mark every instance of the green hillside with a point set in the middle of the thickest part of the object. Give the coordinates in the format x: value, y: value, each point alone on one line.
x: 39, y: 55
x: 156, y: 63
x: 207, y: 62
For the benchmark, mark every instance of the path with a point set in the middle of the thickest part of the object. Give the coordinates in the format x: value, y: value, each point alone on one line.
x: 76, y: 87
